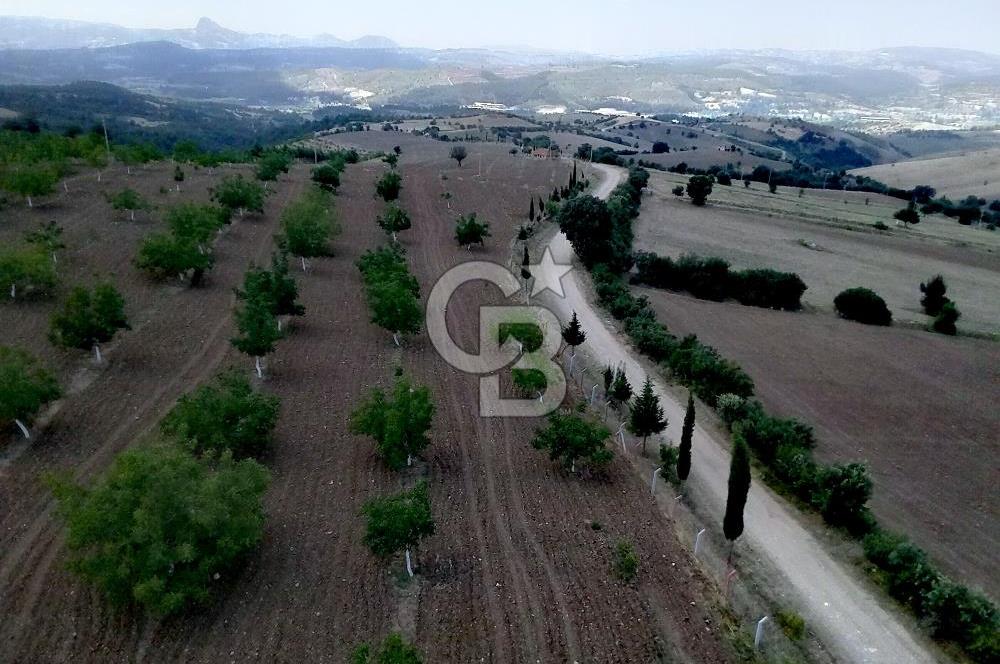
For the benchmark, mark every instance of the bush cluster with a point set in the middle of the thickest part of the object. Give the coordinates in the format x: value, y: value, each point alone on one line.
x: 710, y: 278
x: 863, y: 305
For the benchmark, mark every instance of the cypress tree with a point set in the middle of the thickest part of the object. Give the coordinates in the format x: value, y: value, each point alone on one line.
x: 609, y: 377
x: 684, y: 459
x: 739, y: 486
x: 531, y: 210
x: 573, y: 333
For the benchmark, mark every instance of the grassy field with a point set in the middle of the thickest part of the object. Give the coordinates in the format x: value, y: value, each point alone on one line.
x: 956, y: 176
x: 828, y: 238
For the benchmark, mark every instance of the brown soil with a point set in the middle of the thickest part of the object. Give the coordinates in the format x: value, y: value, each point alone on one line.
x: 919, y: 408
x: 515, y: 571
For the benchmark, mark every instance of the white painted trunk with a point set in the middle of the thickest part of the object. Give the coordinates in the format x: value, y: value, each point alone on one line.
x: 29, y: 202
x: 260, y: 372
x: 128, y: 170
x: 97, y: 353
x: 395, y: 338
x: 409, y: 563
x: 13, y: 291
x: 65, y: 187
x: 98, y: 176
x: 279, y: 325
x: 54, y: 259
x: 131, y: 215
x: 409, y: 460
x: 303, y: 259
x: 24, y: 429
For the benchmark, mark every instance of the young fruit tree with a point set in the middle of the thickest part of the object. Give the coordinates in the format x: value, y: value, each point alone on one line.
x: 327, y: 175
x: 687, y: 432
x: 129, y: 200
x: 197, y: 223
x: 163, y: 256
x: 308, y: 224
x: 459, y: 153
x: 27, y: 272
x: 238, y: 194
x: 271, y: 165
x: 89, y: 319
x: 276, y: 286
x: 258, y: 329
x: 469, y: 231
x: 908, y: 215
x: 227, y: 415
x: 646, y: 417
x: 394, y: 220
x: 398, y: 424
x: 739, y: 487
x: 162, y: 526
x: 570, y: 438
x: 389, y: 186
x: 392, y: 159
x: 573, y: 333
x: 48, y: 238
x: 24, y: 388
x: 31, y: 182
x: 398, y: 523
x: 395, y: 308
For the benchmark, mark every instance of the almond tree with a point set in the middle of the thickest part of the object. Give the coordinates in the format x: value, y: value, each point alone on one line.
x: 48, y: 237
x: 33, y: 181
x: 258, y: 328
x: 459, y: 153
x: 569, y: 438
x: 398, y: 523
x: 89, y: 319
x: 24, y: 388
x: 239, y: 194
x: 394, y: 220
x: 130, y: 201
x: 388, y: 186
x: 398, y: 424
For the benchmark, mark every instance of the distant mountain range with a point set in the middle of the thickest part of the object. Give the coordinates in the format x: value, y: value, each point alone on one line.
x: 17, y: 32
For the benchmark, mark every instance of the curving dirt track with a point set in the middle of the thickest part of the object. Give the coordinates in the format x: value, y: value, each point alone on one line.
x: 515, y: 572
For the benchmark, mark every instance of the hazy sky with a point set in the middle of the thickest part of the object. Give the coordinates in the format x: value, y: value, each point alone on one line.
x: 598, y: 26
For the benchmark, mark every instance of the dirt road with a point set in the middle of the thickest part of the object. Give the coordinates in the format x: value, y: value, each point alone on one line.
x: 846, y: 616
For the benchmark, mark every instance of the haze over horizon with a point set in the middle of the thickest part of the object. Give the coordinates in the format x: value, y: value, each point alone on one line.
x: 625, y: 27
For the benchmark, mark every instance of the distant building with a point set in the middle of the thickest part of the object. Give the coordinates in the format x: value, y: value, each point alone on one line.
x: 546, y: 153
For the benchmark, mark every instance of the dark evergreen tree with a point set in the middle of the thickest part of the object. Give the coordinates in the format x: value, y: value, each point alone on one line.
x: 934, y: 295
x: 739, y: 487
x: 684, y: 458
x: 573, y: 333
x: 646, y: 418
x: 531, y: 210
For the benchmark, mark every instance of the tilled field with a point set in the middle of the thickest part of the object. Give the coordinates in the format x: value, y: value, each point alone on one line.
x: 918, y: 407
x: 517, y: 570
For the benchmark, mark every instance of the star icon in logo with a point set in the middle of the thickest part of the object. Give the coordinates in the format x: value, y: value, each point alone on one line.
x: 548, y: 275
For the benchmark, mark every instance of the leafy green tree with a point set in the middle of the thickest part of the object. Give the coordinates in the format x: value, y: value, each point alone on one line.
x: 908, y: 215
x: 398, y: 424
x: 164, y: 256
x: 934, y: 297
x: 27, y: 272
x: 458, y: 153
x: 31, y: 181
x: 570, y: 438
x: 395, y: 308
x: 588, y: 226
x: 699, y: 188
x: 646, y: 417
x: 946, y: 319
x: 271, y: 165
x: 308, y: 224
x: 178, y: 176
x: 469, y: 231
x: 394, y: 650
x: 687, y: 432
x: 258, y: 329
x: 398, y: 523
x: 186, y: 151
x: 573, y: 333
x: 327, y: 176
x: 389, y: 186
x: 89, y: 319
x: 394, y: 220
x: 24, y: 388
x: 276, y: 285
x: 239, y: 194
x: 392, y: 159
x: 197, y: 223
x: 842, y: 491
x: 227, y: 415
x: 162, y: 525
x: 48, y: 237
x: 739, y: 488
x: 130, y: 201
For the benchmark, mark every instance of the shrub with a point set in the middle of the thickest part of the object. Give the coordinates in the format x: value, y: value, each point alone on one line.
x: 731, y: 408
x: 699, y: 188
x: 765, y: 434
x: 669, y: 456
x: 529, y: 381
x: 768, y: 289
x: 394, y: 650
x: 650, y: 337
x: 792, y: 624
x: 327, y: 175
x: 227, y: 415
x: 863, y: 305
x: 700, y: 367
x: 678, y: 190
x: 388, y: 186
x: 945, y: 321
x: 965, y: 617
x: 845, y: 490
x: 625, y: 564
x: 162, y: 525
x: 469, y: 231
x: 528, y: 334
x: 933, y: 299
